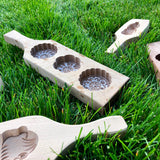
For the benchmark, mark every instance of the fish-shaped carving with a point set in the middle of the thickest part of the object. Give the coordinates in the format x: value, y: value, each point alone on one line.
x: 17, y: 144
x: 131, y: 28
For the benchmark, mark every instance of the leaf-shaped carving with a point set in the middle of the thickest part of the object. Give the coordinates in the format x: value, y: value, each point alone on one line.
x: 131, y: 28
x: 17, y: 144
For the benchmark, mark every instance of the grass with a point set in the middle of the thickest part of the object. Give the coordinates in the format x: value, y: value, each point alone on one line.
x: 88, y: 27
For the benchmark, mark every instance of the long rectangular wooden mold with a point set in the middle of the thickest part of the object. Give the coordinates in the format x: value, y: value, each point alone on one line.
x: 46, y: 67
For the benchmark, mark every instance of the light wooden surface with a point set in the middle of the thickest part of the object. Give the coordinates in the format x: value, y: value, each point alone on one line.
x: 1, y: 84
x: 46, y: 68
x: 35, y: 137
x: 129, y: 32
x: 154, y: 57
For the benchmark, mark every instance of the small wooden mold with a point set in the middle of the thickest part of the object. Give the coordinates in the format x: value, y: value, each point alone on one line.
x: 129, y: 32
x: 37, y: 137
x: 88, y: 78
x: 154, y: 57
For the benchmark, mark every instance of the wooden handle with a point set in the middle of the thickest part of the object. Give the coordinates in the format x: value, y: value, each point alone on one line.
x: 114, y: 47
x: 17, y: 39
x: 112, y: 125
x: 107, y: 126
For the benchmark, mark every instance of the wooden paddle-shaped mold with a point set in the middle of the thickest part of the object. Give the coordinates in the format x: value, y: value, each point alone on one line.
x: 88, y: 78
x: 37, y: 137
x: 154, y: 57
x: 129, y: 32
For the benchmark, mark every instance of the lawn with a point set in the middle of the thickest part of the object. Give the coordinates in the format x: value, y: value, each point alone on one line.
x: 88, y: 27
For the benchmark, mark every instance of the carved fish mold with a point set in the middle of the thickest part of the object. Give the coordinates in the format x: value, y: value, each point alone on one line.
x: 17, y: 144
x: 53, y: 138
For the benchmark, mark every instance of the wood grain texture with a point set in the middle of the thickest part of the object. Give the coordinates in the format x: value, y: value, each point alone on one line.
x: 154, y: 57
x: 129, y: 32
x: 35, y: 137
x: 36, y: 56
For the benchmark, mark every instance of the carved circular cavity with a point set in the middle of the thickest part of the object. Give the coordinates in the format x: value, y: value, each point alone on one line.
x: 95, y: 79
x: 67, y: 63
x: 158, y: 57
x: 18, y: 143
x: 131, y: 28
x: 45, y: 50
